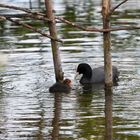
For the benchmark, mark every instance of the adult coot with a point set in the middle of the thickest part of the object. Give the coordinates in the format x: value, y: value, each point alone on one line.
x: 96, y: 75
x: 64, y: 87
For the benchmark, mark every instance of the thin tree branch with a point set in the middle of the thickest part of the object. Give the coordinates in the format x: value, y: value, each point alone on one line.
x: 19, y: 8
x: 93, y: 29
x: 114, y: 8
x: 112, y: 29
x: 120, y: 28
x: 76, y: 25
x: 33, y: 29
x: 88, y: 29
x: 42, y: 16
x: 32, y: 14
x: 70, y: 23
x: 15, y: 8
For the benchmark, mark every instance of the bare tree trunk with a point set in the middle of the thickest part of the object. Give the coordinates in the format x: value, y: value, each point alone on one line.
x: 54, y: 44
x: 107, y: 43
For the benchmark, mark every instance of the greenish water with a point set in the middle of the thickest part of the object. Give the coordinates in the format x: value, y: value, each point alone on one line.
x: 29, y: 112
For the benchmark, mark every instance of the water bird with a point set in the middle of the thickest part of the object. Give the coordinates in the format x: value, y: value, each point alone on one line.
x: 94, y: 76
x: 63, y: 87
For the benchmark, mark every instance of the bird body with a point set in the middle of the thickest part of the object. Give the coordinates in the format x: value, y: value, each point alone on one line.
x: 96, y: 75
x: 64, y: 87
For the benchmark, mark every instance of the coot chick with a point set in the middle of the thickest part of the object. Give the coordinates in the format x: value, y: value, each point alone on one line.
x: 96, y: 75
x: 63, y: 87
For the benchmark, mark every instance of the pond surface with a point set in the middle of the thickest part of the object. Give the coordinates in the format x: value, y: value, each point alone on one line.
x: 29, y: 112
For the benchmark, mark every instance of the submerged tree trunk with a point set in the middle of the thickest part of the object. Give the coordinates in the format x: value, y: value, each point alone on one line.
x: 54, y: 44
x: 107, y: 43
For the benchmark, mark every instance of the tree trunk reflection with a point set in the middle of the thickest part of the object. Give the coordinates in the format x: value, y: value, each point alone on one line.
x: 108, y: 114
x: 56, y: 119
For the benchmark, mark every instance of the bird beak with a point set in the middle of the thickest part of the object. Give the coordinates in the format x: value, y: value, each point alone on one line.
x: 76, y: 75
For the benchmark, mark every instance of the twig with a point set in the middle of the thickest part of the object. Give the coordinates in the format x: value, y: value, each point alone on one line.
x: 111, y: 29
x: 32, y: 14
x: 41, y: 16
x: 120, y: 28
x: 19, y: 8
x: 15, y: 7
x: 114, y: 8
x: 70, y: 23
x: 76, y: 25
x: 33, y: 29
x: 37, y: 15
x: 93, y: 29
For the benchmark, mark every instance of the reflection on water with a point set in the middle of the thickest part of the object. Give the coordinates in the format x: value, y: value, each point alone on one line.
x: 29, y: 111
x: 108, y: 114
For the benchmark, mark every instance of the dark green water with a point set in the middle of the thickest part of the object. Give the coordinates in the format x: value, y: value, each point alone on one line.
x: 29, y: 112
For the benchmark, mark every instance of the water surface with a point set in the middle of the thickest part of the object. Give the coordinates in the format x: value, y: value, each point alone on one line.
x: 29, y: 111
